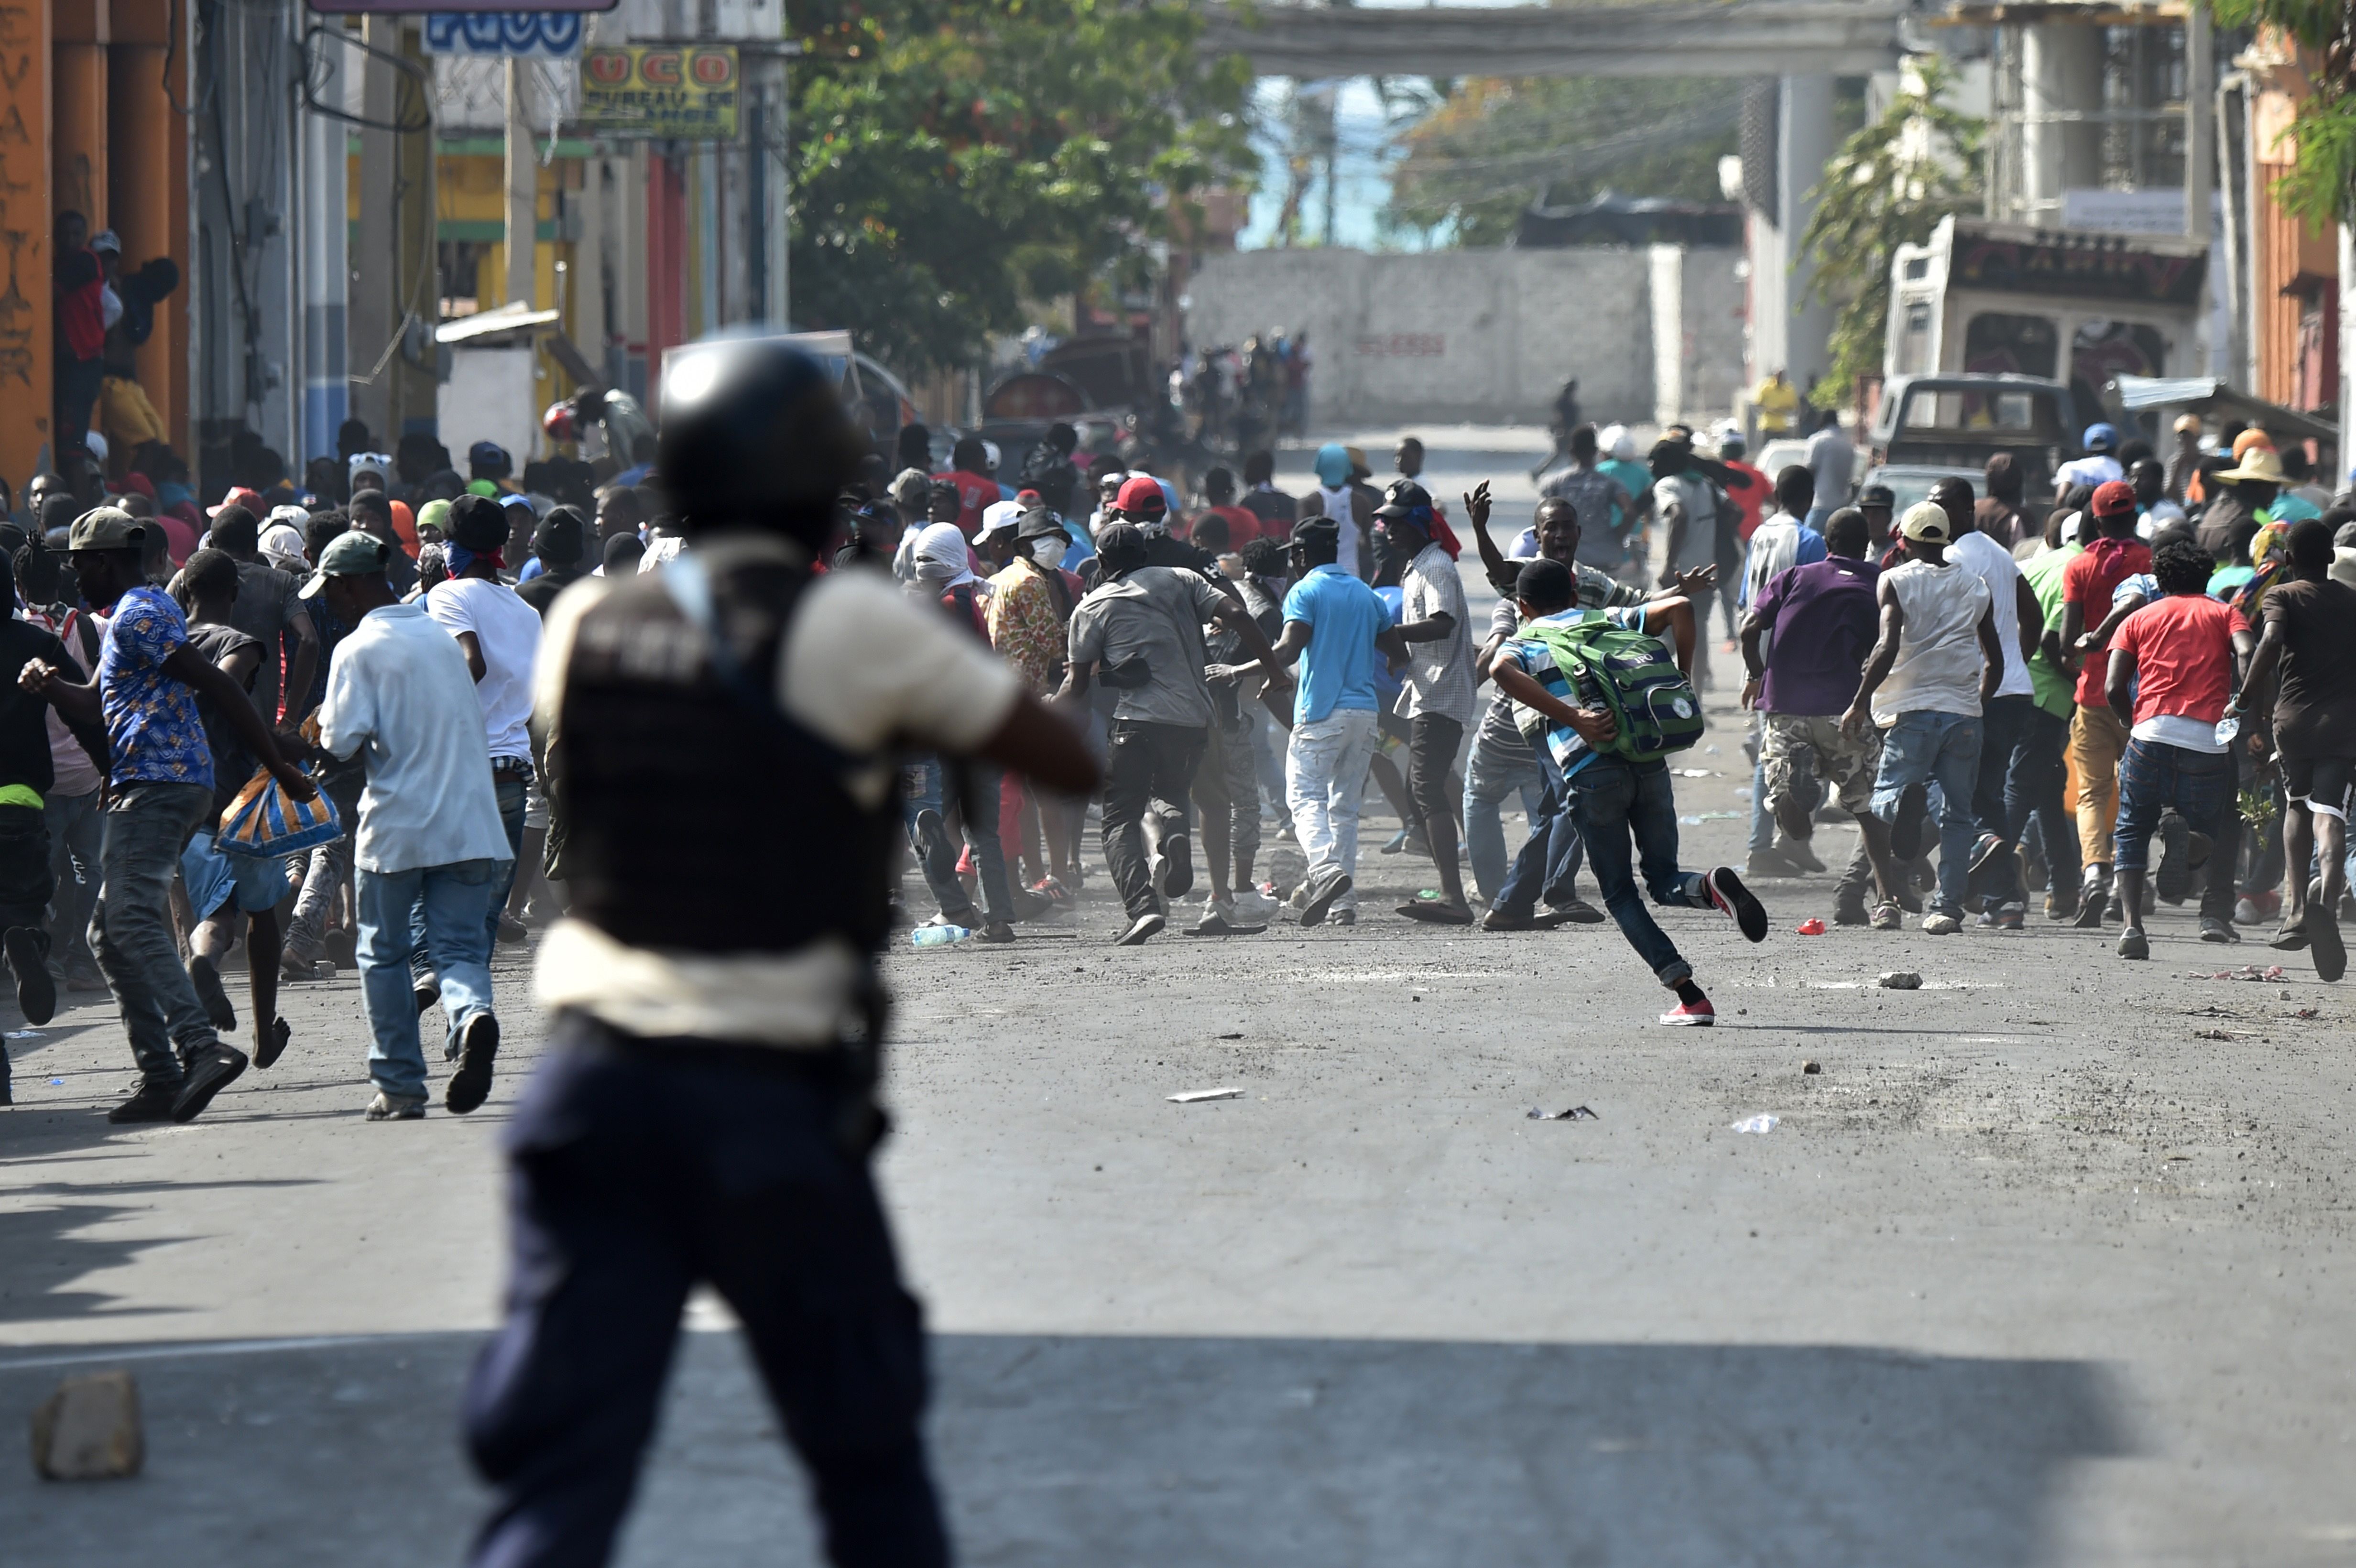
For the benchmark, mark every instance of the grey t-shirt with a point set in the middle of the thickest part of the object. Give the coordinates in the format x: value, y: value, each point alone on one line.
x: 1155, y: 612
x: 267, y: 600
x: 1832, y: 460
x: 1689, y: 494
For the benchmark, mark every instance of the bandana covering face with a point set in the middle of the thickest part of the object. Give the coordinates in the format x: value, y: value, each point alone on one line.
x: 462, y: 559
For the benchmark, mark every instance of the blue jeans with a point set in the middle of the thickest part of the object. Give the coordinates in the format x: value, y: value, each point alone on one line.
x: 1268, y: 759
x: 454, y: 901
x: 1546, y: 870
x: 1492, y: 775
x: 514, y: 793
x: 1627, y: 813
x: 131, y: 925
x: 77, y: 835
x: 928, y: 785
x: 2202, y: 786
x: 1927, y: 747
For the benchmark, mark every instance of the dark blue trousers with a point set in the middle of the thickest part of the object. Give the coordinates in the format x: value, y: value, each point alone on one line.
x: 637, y: 1169
x: 1546, y: 866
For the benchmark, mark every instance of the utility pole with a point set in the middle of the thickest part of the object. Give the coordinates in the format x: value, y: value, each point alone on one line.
x: 2200, y: 160
x: 523, y: 188
x: 374, y: 316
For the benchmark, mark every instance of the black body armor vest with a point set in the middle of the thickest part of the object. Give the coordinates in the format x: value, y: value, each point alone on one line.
x: 700, y: 817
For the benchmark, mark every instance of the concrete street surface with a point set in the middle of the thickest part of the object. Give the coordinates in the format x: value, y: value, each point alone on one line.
x: 2043, y: 1266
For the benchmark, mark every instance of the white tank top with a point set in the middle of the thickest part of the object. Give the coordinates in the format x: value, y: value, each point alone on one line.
x: 1938, y: 666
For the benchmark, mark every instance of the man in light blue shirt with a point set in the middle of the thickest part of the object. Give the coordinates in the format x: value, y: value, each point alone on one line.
x: 1333, y: 625
x: 430, y: 833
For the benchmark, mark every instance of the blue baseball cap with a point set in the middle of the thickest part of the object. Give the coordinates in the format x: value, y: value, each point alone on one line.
x: 2100, y: 438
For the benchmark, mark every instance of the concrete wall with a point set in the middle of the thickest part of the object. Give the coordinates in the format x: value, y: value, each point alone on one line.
x: 1696, y: 334
x: 1473, y: 335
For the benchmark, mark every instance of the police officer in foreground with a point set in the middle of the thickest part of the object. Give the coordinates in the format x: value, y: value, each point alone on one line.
x: 720, y: 738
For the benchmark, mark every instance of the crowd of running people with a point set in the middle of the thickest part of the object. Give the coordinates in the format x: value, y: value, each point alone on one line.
x: 2009, y: 706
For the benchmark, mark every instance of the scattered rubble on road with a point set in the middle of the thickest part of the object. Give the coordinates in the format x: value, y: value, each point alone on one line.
x: 89, y: 1430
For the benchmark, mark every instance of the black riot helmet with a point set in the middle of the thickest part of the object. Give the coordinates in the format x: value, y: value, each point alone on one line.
x: 754, y: 436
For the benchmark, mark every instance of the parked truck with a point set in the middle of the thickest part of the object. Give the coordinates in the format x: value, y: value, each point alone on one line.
x: 2074, y: 306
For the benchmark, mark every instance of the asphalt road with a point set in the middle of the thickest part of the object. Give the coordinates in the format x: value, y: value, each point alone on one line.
x: 2044, y: 1265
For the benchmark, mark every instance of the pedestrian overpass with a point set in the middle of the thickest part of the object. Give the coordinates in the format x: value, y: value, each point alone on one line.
x: 1676, y: 37
x: 1802, y: 45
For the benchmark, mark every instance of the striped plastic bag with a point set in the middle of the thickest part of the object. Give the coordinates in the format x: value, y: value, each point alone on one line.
x: 264, y: 820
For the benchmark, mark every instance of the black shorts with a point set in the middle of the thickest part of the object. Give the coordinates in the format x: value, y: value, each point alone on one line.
x: 2322, y: 782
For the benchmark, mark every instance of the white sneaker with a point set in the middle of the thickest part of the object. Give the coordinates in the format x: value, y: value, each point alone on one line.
x: 1253, y: 907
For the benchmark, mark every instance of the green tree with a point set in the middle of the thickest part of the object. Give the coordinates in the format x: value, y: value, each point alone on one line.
x: 2321, y: 185
x: 952, y: 159
x: 1491, y: 148
x: 1890, y: 185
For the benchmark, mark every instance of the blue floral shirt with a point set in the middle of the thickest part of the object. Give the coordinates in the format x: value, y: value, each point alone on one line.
x: 152, y: 727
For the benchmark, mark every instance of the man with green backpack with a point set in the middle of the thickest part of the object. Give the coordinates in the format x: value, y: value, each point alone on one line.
x: 1606, y: 703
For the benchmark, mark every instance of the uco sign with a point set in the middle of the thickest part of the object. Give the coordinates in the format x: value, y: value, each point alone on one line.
x: 682, y: 92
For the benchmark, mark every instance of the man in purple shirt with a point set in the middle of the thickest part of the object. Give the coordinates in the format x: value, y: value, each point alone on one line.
x: 1804, y: 644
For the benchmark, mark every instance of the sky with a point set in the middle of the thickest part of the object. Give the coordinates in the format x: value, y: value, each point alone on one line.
x: 1362, y: 189
x: 1366, y: 150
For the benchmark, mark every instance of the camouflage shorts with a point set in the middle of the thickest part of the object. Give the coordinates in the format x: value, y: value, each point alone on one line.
x: 1798, y: 746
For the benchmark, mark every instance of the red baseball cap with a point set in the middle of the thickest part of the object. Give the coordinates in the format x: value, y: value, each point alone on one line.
x: 2113, y: 496
x: 1141, y: 496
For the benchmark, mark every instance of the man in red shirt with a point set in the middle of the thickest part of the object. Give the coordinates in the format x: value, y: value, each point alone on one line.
x: 2098, y: 737
x: 1219, y: 489
x: 970, y: 472
x: 2170, y: 679
x: 79, y: 285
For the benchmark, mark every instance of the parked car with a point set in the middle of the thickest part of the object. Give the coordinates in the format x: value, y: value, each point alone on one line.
x: 1776, y: 455
x: 1911, y: 482
x: 1955, y: 423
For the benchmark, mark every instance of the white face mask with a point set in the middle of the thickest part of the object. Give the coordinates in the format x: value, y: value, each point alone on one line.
x: 1048, y: 551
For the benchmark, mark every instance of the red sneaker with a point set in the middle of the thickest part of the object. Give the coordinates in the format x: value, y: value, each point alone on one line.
x: 1692, y: 1015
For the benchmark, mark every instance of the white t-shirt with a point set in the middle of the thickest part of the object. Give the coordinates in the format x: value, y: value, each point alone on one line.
x: 507, y: 631
x: 864, y: 666
x: 2177, y: 729
x: 2099, y: 469
x: 1938, y: 667
x: 1995, y: 566
x: 661, y: 549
